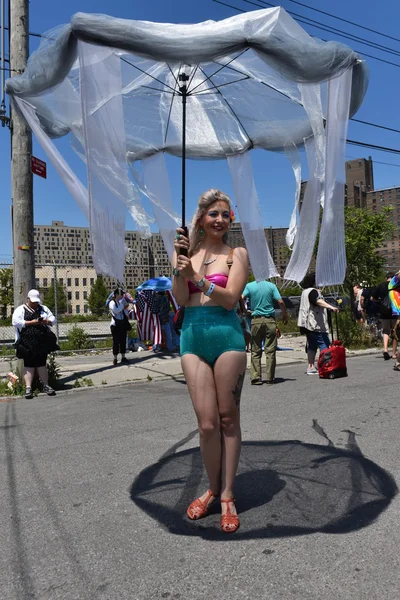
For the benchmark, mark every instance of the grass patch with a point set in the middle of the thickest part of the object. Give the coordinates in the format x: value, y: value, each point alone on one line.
x: 84, y: 382
x: 290, y: 327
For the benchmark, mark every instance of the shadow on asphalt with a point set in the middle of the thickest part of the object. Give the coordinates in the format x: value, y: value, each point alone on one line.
x: 278, y: 380
x: 283, y: 488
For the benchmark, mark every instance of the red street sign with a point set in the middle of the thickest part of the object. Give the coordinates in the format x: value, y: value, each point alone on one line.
x: 38, y: 167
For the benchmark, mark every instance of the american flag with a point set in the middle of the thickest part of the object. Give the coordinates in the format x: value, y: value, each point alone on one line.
x: 148, y: 321
x: 173, y: 301
x: 146, y: 297
x: 146, y: 309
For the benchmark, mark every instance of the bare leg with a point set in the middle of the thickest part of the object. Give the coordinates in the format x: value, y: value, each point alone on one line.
x: 311, y: 358
x: 42, y: 372
x: 229, y: 372
x: 200, y: 381
x: 29, y: 375
x: 385, y: 342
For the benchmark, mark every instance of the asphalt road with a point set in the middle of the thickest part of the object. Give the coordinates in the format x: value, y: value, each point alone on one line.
x: 95, y: 485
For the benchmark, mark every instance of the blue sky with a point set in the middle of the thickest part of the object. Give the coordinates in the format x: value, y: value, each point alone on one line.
x: 273, y: 175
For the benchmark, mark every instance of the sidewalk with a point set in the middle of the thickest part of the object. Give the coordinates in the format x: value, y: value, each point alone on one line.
x: 96, y: 369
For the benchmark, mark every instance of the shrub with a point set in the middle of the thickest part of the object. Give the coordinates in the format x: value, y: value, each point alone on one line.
x: 84, y: 382
x: 354, y: 335
x: 133, y: 333
x: 7, y: 350
x: 53, y: 369
x: 77, y: 339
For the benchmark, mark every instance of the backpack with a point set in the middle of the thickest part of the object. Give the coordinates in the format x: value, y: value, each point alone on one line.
x: 386, y: 308
x: 386, y: 305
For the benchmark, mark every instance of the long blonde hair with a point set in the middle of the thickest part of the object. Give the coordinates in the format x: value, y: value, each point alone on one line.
x: 205, y: 200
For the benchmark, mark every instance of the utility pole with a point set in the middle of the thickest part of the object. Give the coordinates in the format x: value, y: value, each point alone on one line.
x: 21, y: 150
x: 55, y: 283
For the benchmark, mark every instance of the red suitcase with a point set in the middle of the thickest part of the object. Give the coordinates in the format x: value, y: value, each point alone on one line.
x: 332, y: 361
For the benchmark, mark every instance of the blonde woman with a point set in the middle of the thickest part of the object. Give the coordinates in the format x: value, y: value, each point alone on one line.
x: 209, y: 282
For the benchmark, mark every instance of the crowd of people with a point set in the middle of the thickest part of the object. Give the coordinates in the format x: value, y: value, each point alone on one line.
x: 209, y: 284
x: 379, y: 307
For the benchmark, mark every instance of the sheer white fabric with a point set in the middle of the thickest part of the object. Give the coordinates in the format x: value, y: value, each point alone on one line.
x: 308, y: 220
x: 108, y: 180
x: 312, y: 102
x: 159, y: 192
x: 331, y: 257
x: 250, y: 216
x: 256, y: 80
x: 294, y: 157
x: 75, y: 187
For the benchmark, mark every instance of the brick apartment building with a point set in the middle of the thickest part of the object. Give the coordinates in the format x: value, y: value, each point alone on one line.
x: 360, y: 192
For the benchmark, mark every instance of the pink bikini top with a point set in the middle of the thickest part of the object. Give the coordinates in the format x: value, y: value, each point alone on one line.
x: 217, y: 278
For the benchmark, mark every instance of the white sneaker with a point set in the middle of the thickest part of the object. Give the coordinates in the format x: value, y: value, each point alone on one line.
x: 312, y: 371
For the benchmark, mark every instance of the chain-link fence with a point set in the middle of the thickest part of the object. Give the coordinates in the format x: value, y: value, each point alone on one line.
x: 75, y: 295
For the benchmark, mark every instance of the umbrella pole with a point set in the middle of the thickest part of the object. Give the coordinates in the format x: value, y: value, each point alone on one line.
x: 183, y: 89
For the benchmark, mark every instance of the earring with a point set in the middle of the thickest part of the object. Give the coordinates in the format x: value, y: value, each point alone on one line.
x: 201, y: 231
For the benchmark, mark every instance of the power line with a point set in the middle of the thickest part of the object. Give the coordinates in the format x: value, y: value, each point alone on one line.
x: 31, y: 33
x: 328, y: 28
x: 375, y: 125
x: 361, y: 52
x: 323, y: 12
x: 8, y: 69
x: 373, y: 146
x: 377, y: 162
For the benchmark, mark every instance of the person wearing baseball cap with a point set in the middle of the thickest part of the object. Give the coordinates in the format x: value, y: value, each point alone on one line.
x: 34, y: 296
x: 34, y: 340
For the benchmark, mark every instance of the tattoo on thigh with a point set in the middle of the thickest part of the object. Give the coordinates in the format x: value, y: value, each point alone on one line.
x: 238, y: 389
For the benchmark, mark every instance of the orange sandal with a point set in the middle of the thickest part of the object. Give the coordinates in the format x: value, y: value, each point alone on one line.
x: 199, y: 508
x: 229, y: 522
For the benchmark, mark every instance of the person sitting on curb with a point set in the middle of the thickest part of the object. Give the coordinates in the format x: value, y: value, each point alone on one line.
x: 313, y: 320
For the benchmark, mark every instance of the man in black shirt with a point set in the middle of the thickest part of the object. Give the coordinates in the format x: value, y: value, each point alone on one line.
x: 380, y: 294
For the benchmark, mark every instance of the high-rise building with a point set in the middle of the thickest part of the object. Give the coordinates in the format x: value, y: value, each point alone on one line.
x: 375, y: 201
x: 359, y: 181
x: 63, y: 245
x: 360, y: 192
x: 276, y: 240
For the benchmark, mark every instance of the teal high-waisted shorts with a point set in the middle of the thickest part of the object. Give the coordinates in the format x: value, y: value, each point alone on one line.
x: 209, y: 331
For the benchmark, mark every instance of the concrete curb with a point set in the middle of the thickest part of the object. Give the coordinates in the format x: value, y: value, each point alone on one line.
x: 177, y: 376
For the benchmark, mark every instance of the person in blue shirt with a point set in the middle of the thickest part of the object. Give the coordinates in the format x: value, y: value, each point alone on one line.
x: 262, y: 296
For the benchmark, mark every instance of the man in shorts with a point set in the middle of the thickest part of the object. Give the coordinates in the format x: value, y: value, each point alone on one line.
x: 388, y: 321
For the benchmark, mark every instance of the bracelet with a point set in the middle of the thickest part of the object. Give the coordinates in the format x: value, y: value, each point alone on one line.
x: 210, y: 289
x: 200, y: 283
x: 175, y: 272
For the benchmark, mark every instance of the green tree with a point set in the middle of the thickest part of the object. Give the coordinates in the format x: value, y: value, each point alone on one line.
x: 97, y: 297
x: 50, y: 302
x: 6, y: 290
x: 366, y: 231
